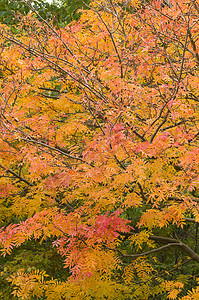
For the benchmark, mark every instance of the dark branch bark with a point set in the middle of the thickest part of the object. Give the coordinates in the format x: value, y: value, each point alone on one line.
x: 33, y: 141
x: 144, y: 253
x: 17, y: 176
x: 31, y: 184
x: 160, y: 239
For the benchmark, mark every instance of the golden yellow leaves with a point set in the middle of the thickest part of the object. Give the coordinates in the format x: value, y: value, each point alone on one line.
x: 138, y: 240
x: 27, y: 284
x: 132, y: 200
x: 192, y: 295
x: 173, y: 288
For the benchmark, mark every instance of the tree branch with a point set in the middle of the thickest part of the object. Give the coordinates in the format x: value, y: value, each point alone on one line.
x: 17, y: 176
x: 170, y: 242
x: 33, y: 141
x: 144, y: 253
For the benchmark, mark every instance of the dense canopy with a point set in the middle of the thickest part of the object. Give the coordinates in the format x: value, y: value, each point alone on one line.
x: 99, y: 153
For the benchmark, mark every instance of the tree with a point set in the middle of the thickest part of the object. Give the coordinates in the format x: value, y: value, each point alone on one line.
x: 60, y: 12
x: 99, y: 152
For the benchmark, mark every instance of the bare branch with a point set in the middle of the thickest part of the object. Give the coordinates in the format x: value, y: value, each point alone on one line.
x: 17, y: 176
x: 144, y: 253
x: 33, y: 141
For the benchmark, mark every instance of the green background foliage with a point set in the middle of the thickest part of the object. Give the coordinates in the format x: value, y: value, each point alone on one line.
x: 60, y: 12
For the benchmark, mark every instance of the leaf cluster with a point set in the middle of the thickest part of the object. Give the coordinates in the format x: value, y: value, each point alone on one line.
x: 99, y: 153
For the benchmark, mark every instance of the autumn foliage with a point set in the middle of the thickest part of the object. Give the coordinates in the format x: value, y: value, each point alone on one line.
x: 99, y: 153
